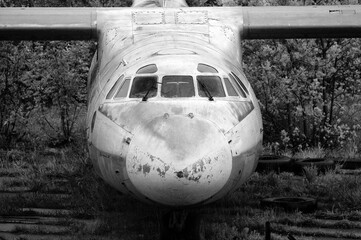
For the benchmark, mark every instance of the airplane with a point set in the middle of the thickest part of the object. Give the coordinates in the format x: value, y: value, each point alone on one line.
x: 172, y: 119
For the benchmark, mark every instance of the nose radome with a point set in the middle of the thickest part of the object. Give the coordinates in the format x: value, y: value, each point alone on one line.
x: 179, y: 160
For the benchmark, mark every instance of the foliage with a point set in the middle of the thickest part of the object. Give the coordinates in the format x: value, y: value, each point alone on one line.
x: 43, y: 84
x: 42, y: 78
x: 309, y: 90
x: 63, y: 88
x: 17, y: 92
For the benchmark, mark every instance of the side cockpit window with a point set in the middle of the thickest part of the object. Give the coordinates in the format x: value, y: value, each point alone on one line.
x: 210, y: 86
x: 177, y: 86
x: 230, y: 89
x: 144, y: 86
x: 123, y: 90
x: 114, y: 88
x: 240, y: 82
x: 238, y: 86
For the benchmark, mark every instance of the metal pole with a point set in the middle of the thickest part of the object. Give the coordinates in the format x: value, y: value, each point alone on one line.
x: 268, y: 231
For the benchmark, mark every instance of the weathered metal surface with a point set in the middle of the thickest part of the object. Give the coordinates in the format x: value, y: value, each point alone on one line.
x: 47, y: 24
x: 302, y: 22
x: 179, y: 160
x: 130, y: 115
x: 251, y: 22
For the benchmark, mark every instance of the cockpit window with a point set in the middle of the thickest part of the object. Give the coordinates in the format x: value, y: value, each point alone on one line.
x: 204, y: 68
x: 151, y: 68
x: 210, y: 85
x: 144, y: 86
x: 240, y: 82
x: 123, y: 90
x: 240, y: 90
x: 114, y: 88
x: 230, y: 89
x: 177, y: 86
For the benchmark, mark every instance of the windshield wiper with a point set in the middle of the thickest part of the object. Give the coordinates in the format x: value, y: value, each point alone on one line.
x: 210, y: 97
x: 145, y: 98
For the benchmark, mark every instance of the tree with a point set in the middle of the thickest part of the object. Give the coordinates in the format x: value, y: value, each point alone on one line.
x: 62, y: 86
x: 304, y: 86
x: 16, y: 92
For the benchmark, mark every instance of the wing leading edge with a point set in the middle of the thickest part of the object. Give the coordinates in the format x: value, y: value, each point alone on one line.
x: 252, y: 22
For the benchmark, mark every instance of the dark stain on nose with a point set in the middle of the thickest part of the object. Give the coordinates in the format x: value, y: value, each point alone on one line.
x: 179, y: 174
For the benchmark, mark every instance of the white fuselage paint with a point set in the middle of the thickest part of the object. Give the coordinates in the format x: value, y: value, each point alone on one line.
x: 179, y: 151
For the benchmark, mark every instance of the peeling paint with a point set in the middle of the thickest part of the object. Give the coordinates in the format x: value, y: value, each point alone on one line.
x: 146, y: 169
x: 179, y: 174
x: 160, y: 172
x: 180, y: 159
x: 139, y: 168
x: 163, y: 171
x: 195, y: 179
x: 194, y: 173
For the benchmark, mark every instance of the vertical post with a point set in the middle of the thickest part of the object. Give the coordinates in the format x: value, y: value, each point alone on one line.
x: 268, y: 231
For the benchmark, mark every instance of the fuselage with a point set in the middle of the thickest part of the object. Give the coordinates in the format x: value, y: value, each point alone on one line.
x: 172, y: 120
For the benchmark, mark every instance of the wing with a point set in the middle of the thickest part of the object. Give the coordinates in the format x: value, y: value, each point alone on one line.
x: 301, y: 22
x: 252, y: 22
x: 47, y: 23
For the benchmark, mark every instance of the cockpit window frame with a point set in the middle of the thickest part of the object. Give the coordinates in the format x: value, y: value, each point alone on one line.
x: 220, y: 90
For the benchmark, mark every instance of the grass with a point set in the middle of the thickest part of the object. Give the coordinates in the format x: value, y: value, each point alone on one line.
x: 237, y: 216
x: 314, y: 152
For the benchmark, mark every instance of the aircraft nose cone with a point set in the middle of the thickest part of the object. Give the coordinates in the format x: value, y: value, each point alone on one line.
x: 179, y: 160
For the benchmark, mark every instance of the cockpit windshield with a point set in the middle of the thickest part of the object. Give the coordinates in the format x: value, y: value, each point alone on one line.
x: 144, y: 87
x: 177, y: 86
x: 205, y: 82
x: 210, y: 86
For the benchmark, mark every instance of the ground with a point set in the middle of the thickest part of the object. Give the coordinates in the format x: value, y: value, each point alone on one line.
x: 55, y: 194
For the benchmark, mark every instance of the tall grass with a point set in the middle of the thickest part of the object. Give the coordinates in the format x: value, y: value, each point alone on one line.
x: 237, y: 216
